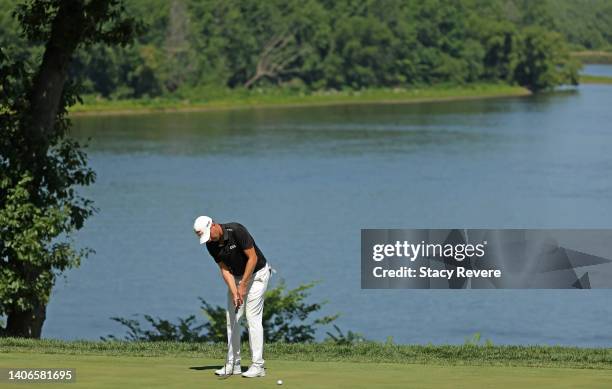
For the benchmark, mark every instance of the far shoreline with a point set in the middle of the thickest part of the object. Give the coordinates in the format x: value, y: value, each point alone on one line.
x: 271, y: 99
x: 94, y: 107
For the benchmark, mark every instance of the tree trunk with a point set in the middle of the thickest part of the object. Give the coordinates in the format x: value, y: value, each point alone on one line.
x: 26, y: 324
x: 48, y: 85
x: 39, y: 124
x: 254, y: 79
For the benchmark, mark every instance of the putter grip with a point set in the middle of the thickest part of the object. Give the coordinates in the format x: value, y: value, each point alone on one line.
x: 237, y: 308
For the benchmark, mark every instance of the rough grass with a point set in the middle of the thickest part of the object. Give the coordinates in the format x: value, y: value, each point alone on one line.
x: 587, y: 79
x: 368, y: 352
x: 592, y: 56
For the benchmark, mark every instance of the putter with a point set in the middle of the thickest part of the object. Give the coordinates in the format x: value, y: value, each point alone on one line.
x: 225, y: 375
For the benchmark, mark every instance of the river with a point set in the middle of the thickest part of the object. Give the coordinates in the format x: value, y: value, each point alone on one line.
x: 306, y: 180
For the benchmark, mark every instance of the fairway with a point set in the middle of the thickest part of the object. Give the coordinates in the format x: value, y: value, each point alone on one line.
x: 190, y: 372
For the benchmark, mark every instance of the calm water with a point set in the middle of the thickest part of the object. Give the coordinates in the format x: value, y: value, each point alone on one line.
x: 597, y: 70
x: 305, y: 181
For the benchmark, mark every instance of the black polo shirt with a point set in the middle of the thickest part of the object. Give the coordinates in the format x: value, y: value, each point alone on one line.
x: 230, y: 248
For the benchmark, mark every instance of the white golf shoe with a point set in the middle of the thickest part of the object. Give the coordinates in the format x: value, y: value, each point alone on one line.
x: 254, y: 371
x: 229, y: 369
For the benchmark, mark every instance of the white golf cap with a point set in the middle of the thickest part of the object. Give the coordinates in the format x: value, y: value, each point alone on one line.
x: 203, y: 224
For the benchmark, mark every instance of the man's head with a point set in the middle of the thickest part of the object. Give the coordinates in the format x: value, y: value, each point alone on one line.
x: 207, y: 229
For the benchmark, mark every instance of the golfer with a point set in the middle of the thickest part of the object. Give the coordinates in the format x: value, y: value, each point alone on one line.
x: 246, y: 273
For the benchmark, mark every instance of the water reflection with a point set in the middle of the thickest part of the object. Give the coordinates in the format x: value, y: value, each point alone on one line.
x: 305, y: 180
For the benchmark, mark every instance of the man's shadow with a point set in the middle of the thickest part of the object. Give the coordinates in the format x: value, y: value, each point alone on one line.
x: 209, y: 367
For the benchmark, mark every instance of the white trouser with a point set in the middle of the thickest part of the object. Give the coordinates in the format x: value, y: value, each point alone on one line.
x: 252, y: 307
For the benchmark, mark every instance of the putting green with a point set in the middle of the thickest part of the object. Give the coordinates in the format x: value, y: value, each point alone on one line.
x: 187, y: 372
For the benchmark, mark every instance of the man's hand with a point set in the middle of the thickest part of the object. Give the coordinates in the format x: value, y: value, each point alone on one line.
x: 237, y: 299
x: 248, y: 273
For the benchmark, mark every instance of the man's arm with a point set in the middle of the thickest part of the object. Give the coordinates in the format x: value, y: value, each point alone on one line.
x: 231, y: 283
x: 245, y: 242
x: 248, y: 271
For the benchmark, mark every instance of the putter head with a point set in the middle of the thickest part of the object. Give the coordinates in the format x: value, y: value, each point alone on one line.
x: 226, y: 375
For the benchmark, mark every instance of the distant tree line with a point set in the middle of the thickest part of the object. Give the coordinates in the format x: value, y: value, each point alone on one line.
x: 331, y: 44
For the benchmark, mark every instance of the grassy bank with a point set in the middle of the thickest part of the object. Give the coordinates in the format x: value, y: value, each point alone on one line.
x: 240, y: 99
x: 600, y: 57
x: 534, y: 356
x: 93, y: 371
x: 586, y: 79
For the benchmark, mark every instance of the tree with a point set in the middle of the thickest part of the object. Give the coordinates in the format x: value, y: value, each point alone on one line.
x: 40, y: 165
x: 544, y: 61
x: 274, y: 61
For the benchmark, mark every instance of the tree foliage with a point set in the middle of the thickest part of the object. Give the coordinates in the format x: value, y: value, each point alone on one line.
x: 543, y: 61
x: 585, y: 24
x: 40, y: 167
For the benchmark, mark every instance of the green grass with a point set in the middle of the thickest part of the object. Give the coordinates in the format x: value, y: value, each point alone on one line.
x: 240, y: 99
x: 320, y: 365
x: 104, y: 371
x: 586, y: 79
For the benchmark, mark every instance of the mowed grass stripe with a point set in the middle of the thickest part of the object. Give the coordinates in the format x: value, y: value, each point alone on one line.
x: 106, y: 371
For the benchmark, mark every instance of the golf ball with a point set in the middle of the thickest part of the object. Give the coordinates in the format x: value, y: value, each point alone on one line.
x: 279, y: 382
